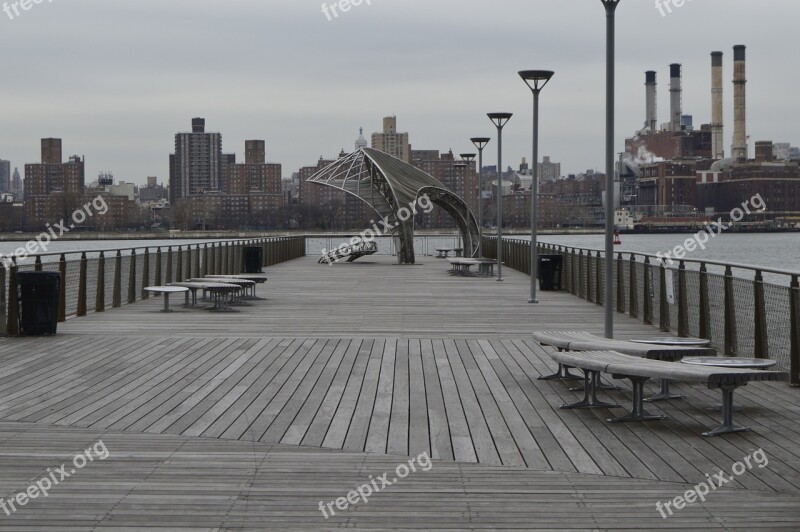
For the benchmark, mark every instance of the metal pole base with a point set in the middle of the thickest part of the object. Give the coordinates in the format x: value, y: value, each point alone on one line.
x: 562, y: 373
x: 589, y: 400
x: 533, y: 301
x: 664, y: 394
x: 638, y: 413
x: 727, y: 415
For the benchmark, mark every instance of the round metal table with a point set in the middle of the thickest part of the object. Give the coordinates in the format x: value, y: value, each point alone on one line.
x: 166, y: 291
x: 668, y: 340
x: 722, y: 362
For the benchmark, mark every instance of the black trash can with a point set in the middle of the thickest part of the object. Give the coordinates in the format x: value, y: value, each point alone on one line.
x: 38, y: 302
x: 253, y: 259
x: 550, y: 272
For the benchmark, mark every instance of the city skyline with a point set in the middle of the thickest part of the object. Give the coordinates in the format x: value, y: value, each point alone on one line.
x: 285, y: 75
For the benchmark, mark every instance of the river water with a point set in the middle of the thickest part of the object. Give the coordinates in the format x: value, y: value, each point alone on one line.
x: 768, y: 250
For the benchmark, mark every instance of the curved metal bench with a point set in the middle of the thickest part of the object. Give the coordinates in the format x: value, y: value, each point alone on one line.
x: 583, y: 341
x: 639, y: 370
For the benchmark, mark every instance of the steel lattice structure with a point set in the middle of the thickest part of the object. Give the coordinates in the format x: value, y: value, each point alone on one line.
x: 389, y: 185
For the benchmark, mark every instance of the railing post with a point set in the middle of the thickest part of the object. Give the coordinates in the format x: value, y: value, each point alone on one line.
x: 730, y: 314
x: 117, y: 296
x: 223, y: 262
x: 207, y: 260
x: 157, y: 281
x: 705, y: 307
x: 760, y: 336
x: 576, y: 266
x: 3, y: 307
x: 12, y: 326
x: 132, y: 279
x: 663, y: 312
x: 169, y: 265
x: 146, y: 273
x: 794, y: 326
x: 589, y: 279
x: 82, y: 287
x: 647, y: 300
x: 62, y: 289
x: 683, y: 304
x: 218, y: 257
x: 179, y: 275
x: 598, y: 282
x: 196, y: 272
x: 37, y: 267
x: 620, y: 284
x: 633, y: 289
x: 100, y: 296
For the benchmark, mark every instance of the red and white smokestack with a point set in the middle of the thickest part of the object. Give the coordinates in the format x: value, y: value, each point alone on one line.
x: 739, y: 150
x: 717, y: 119
x: 651, y: 121
x: 675, y: 96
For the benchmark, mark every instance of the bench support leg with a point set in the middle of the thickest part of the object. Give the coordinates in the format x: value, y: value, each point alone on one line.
x: 562, y: 373
x: 664, y: 394
x: 727, y: 414
x: 638, y: 413
x: 590, y: 380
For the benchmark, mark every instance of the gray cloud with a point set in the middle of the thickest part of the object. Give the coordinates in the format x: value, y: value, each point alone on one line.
x: 116, y: 79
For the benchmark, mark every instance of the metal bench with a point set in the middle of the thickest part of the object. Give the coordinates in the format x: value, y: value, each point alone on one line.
x: 639, y: 370
x: 583, y: 341
x: 461, y: 266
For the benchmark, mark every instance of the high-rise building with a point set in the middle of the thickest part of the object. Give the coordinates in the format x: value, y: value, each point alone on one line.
x: 51, y: 151
x: 255, y: 175
x: 16, y: 185
x: 391, y: 142
x: 5, y: 176
x: 549, y: 171
x: 196, y: 167
x: 51, y: 175
x: 361, y: 142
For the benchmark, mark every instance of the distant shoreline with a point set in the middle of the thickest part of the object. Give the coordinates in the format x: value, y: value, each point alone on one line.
x: 232, y: 235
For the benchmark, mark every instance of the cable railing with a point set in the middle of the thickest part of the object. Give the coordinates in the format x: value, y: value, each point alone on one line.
x: 727, y: 303
x: 96, y: 280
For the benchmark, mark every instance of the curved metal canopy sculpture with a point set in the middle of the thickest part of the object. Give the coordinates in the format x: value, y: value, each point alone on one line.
x: 391, y: 187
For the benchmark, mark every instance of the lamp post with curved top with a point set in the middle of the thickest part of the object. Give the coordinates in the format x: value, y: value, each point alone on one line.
x: 535, y: 80
x: 469, y: 192
x: 480, y: 143
x: 499, y: 120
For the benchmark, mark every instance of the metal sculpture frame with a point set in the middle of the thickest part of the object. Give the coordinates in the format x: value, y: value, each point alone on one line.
x: 392, y: 188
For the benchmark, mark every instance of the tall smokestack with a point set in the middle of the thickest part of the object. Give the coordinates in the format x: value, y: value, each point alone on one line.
x: 739, y: 150
x: 651, y: 122
x: 717, y: 119
x: 675, y: 94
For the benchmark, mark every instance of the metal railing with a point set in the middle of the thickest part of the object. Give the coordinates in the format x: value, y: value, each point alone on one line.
x: 93, y: 281
x: 729, y: 304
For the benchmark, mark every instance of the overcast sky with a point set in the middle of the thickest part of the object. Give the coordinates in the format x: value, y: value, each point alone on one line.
x: 116, y: 79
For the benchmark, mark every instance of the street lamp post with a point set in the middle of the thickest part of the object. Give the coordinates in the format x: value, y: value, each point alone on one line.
x: 469, y: 194
x: 535, y: 80
x: 611, y: 7
x: 499, y: 120
x: 461, y: 168
x: 480, y: 143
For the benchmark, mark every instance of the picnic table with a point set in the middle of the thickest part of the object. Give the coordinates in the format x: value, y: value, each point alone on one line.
x: 166, y: 291
x: 442, y: 252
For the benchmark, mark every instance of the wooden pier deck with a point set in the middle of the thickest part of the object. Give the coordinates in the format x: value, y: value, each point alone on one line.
x: 249, y: 420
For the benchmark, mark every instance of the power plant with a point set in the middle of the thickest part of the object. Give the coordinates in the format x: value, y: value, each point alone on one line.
x: 678, y: 174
